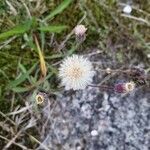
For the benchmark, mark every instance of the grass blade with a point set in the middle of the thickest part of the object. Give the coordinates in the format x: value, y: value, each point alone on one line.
x: 22, y: 78
x: 42, y: 61
x: 53, y: 29
x: 54, y: 56
x: 59, y: 9
x: 37, y: 141
x: 20, y: 29
x: 20, y: 89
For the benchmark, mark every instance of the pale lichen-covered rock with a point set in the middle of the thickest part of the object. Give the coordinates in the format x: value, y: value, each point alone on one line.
x: 122, y: 122
x: 119, y: 122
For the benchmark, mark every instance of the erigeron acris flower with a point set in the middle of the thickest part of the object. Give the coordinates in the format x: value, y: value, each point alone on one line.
x: 124, y: 87
x: 39, y: 98
x: 76, y: 72
x: 129, y: 86
x: 80, y: 30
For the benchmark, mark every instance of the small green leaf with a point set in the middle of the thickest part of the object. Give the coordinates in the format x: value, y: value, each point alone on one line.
x: 20, y: 89
x: 53, y: 70
x: 53, y: 29
x: 59, y: 9
x: 119, y: 57
x: 22, y: 78
x: 73, y: 49
x: 23, y: 69
x: 20, y: 29
x: 54, y: 56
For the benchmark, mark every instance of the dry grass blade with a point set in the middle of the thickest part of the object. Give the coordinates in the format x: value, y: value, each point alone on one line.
x: 27, y: 9
x: 31, y: 123
x: 12, y: 140
x: 11, y: 7
x: 41, y: 56
x: 17, y: 144
x: 21, y: 110
x: 37, y: 141
x: 7, y: 118
x: 5, y: 43
x: 6, y: 127
x: 136, y: 18
x: 138, y: 9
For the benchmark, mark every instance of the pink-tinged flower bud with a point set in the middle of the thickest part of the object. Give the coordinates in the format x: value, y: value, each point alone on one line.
x: 119, y: 88
x: 79, y: 31
x: 124, y: 87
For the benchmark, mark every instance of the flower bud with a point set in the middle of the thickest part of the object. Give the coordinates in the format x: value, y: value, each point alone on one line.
x: 129, y: 86
x: 39, y: 98
x: 108, y: 71
x: 119, y: 88
x: 124, y: 87
x: 79, y: 31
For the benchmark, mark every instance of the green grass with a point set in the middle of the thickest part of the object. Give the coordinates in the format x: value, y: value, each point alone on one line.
x: 19, y: 59
x: 21, y: 23
x: 102, y: 18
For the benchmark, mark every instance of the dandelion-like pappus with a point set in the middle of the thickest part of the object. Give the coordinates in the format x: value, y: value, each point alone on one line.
x: 76, y: 72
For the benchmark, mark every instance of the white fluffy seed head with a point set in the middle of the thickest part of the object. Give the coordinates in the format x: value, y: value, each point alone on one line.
x: 127, y: 9
x: 76, y: 72
x: 80, y: 30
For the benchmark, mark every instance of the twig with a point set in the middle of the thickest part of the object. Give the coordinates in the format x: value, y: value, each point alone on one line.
x: 69, y: 35
x: 135, y: 18
x: 102, y: 86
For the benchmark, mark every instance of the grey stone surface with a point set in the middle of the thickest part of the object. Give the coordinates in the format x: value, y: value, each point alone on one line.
x: 122, y: 122
x: 119, y: 121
